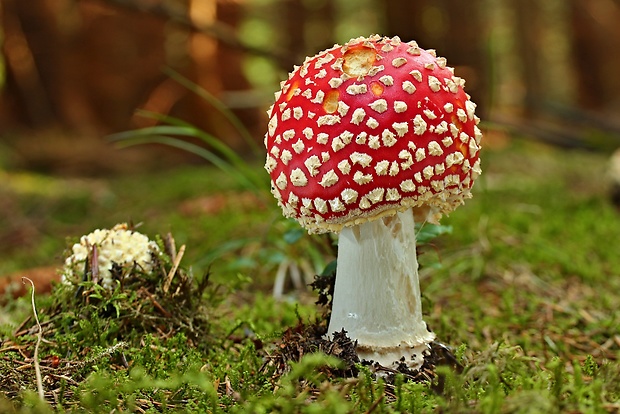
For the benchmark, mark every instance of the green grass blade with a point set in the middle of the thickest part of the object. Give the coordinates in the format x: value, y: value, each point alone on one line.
x: 222, y: 156
x: 187, y: 129
x: 210, y: 156
x: 217, y: 104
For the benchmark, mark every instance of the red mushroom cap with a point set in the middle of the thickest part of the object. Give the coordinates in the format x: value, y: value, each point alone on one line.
x: 370, y: 128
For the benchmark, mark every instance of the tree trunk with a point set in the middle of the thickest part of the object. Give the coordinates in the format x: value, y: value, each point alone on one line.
x: 596, y: 52
x: 529, y: 29
x: 454, y: 28
x: 22, y: 47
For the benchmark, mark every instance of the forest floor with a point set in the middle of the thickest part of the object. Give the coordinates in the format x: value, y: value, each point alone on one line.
x: 525, y: 290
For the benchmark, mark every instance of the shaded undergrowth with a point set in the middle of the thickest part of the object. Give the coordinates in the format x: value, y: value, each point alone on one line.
x: 524, y: 289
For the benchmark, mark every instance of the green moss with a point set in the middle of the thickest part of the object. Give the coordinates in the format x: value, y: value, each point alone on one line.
x: 524, y: 287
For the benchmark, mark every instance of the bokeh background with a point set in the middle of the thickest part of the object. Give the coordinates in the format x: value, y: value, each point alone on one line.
x: 74, y: 71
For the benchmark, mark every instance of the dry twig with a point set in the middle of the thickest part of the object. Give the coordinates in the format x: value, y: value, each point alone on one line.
x: 175, y: 266
x: 37, y: 366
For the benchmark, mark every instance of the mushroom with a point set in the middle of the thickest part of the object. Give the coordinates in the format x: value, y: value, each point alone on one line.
x: 367, y: 139
x: 104, y: 249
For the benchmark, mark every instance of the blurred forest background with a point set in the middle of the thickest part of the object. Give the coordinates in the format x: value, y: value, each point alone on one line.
x: 73, y: 71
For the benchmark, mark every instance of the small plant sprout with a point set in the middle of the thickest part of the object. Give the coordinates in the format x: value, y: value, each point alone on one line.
x: 109, y: 253
x: 365, y: 139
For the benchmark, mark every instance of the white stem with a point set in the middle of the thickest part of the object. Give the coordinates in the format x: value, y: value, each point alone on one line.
x: 377, y: 293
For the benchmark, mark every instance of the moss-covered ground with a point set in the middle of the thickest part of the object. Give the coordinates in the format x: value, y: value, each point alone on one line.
x: 525, y: 289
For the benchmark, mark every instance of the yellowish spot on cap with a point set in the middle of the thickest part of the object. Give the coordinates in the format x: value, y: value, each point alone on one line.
x: 358, y: 61
x: 330, y: 103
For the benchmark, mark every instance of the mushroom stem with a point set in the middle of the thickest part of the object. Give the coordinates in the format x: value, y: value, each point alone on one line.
x: 377, y: 294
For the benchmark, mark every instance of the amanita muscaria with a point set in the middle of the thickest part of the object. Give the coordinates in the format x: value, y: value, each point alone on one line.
x: 364, y: 139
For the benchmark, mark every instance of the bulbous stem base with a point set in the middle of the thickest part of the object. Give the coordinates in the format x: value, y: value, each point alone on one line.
x: 377, y: 295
